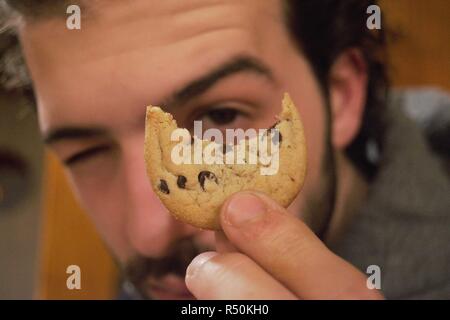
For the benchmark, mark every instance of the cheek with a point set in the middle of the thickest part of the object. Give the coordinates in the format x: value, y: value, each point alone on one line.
x: 103, y: 202
x: 119, y: 199
x: 305, y: 91
x: 314, y: 126
x: 311, y: 107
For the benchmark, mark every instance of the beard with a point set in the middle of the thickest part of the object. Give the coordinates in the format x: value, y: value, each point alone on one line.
x: 140, y: 269
x: 320, y: 203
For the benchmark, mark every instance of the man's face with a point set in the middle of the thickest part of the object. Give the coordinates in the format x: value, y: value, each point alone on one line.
x: 226, y: 63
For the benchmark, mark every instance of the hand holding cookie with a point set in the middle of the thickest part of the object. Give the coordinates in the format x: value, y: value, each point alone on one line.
x: 278, y: 257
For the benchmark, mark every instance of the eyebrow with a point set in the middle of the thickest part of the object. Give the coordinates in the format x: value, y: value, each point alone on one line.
x: 237, y: 64
x: 73, y: 133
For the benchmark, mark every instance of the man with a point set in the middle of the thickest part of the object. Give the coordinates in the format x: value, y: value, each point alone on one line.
x: 368, y: 202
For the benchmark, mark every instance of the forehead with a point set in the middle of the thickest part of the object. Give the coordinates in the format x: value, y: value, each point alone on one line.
x: 119, y: 26
x: 142, y: 48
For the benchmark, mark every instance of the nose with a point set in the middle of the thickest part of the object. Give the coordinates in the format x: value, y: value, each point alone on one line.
x: 150, y: 228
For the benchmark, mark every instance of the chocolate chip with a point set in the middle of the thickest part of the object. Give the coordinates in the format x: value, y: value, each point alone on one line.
x: 163, y: 186
x: 181, y: 182
x: 206, y: 175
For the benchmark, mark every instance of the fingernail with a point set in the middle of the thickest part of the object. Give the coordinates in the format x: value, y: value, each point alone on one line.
x: 198, y: 262
x: 245, y: 208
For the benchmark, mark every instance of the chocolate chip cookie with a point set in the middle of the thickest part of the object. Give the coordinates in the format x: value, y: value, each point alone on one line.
x: 194, y: 191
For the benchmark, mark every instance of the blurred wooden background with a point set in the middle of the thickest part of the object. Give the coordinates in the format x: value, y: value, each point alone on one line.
x: 69, y: 238
x: 420, y: 57
x: 422, y: 54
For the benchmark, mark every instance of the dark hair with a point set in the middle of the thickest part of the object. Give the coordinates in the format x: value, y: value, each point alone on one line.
x: 40, y: 9
x: 322, y: 30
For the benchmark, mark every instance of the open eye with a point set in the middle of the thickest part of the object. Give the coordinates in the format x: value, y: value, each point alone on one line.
x: 222, y: 116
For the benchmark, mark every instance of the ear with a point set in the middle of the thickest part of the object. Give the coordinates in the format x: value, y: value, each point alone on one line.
x: 348, y: 86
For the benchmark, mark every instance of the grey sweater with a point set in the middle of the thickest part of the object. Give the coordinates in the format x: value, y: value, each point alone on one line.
x: 404, y: 227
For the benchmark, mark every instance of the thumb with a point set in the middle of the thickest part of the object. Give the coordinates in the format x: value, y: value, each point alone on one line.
x: 288, y: 250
